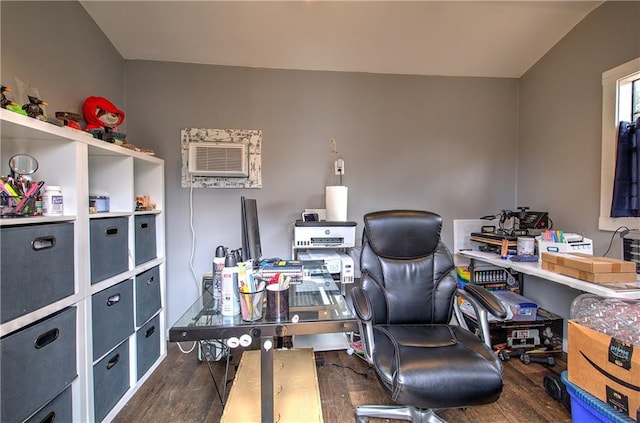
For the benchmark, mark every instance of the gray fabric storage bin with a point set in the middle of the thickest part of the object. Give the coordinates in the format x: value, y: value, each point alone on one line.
x: 110, y: 380
x: 148, y: 300
x: 109, y: 247
x: 37, y: 267
x: 112, y: 317
x: 148, y: 345
x: 145, y: 238
x: 60, y: 409
x: 37, y: 363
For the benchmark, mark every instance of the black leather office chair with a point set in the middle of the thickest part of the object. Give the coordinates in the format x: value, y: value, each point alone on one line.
x: 405, y: 305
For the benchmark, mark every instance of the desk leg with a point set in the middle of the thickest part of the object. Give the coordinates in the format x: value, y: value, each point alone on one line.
x: 223, y: 397
x: 266, y: 378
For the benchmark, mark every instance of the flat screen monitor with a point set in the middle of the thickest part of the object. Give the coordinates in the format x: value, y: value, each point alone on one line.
x: 251, y: 248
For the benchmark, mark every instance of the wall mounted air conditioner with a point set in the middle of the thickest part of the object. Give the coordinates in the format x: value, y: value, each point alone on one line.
x: 219, y: 159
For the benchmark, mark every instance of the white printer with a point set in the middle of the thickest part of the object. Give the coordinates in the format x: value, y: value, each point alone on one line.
x: 322, y: 240
x: 340, y: 265
x: 324, y: 234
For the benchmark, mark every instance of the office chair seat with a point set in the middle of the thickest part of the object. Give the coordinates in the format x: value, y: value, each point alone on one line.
x: 461, y: 370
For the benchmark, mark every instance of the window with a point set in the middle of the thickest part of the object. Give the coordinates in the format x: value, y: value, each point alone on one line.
x: 620, y: 101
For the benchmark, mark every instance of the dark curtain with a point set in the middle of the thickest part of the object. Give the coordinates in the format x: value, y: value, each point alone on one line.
x: 626, y: 185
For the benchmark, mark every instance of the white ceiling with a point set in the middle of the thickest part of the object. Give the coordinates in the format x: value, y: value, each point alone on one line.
x: 452, y: 38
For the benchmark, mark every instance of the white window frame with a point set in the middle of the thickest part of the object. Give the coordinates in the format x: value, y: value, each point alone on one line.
x: 612, y: 82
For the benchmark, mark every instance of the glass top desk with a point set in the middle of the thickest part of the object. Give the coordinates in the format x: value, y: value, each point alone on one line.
x: 202, y: 322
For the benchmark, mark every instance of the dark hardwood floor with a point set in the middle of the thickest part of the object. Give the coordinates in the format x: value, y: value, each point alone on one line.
x: 181, y: 390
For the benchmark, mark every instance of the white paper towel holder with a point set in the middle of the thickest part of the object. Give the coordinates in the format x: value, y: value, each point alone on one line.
x: 336, y: 197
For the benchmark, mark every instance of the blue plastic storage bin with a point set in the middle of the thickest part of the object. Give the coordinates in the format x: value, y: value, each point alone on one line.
x: 585, y: 408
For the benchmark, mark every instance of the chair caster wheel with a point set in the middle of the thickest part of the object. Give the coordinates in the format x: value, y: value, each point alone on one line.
x: 362, y: 419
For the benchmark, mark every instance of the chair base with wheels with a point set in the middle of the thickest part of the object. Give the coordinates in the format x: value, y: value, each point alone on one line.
x: 417, y: 415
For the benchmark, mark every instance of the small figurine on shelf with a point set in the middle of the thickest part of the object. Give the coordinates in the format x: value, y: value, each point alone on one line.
x: 33, y: 108
x: 10, y: 104
x: 103, y: 119
x: 69, y: 119
x: 3, y: 99
x: 144, y: 203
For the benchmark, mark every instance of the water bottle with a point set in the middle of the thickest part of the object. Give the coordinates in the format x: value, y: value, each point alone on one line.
x: 230, y: 294
x: 218, y: 265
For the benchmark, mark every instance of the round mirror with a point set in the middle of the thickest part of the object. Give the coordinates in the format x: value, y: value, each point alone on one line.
x: 23, y: 164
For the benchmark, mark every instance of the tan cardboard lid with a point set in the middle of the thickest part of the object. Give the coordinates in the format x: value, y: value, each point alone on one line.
x: 589, y: 263
x: 589, y: 276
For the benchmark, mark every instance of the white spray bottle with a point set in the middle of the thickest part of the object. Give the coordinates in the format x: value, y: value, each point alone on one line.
x: 230, y: 295
x: 218, y: 265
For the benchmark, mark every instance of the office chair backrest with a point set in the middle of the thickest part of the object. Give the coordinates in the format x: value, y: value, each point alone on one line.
x: 406, y: 268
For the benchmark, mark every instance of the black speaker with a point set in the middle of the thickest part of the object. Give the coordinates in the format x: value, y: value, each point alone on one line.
x: 556, y: 388
x: 211, y: 349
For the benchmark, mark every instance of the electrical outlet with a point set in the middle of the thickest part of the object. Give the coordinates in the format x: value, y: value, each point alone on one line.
x: 339, y: 167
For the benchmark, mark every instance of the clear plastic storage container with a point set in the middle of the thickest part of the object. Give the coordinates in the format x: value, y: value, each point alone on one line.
x: 615, y: 317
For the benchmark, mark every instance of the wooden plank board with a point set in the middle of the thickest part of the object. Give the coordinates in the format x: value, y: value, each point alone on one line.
x: 296, y: 392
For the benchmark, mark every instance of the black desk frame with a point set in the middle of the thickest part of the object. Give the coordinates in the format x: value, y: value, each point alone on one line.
x: 266, y: 332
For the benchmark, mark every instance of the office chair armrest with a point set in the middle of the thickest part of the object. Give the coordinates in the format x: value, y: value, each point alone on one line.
x: 364, y: 313
x: 482, y: 301
x: 487, y: 300
x: 361, y: 304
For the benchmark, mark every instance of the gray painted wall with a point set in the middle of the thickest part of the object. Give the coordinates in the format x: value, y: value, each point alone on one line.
x: 56, y: 47
x: 443, y: 144
x: 560, y: 129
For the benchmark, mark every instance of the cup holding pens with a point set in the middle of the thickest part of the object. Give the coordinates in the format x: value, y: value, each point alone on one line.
x: 251, y: 305
x: 9, y: 206
x: 277, y: 302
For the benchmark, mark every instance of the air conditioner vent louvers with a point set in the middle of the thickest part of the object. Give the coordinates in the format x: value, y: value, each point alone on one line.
x: 218, y: 159
x: 213, y: 159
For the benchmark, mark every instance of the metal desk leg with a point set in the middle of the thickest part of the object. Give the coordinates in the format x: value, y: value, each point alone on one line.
x: 223, y: 396
x: 266, y: 379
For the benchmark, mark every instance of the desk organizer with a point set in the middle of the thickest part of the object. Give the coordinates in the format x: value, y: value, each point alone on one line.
x: 145, y: 238
x: 37, y: 267
x: 148, y: 345
x: 109, y: 247
x: 38, y: 362
x: 112, y: 317
x: 110, y: 380
x: 147, y: 289
x: 59, y: 409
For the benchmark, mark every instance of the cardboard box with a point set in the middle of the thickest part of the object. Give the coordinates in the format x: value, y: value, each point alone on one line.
x: 607, y: 368
x: 589, y: 263
x: 588, y: 276
x: 297, y: 396
x: 544, y: 332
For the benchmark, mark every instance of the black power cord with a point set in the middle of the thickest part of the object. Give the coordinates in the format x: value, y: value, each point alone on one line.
x: 363, y: 374
x: 320, y: 363
x: 622, y: 234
